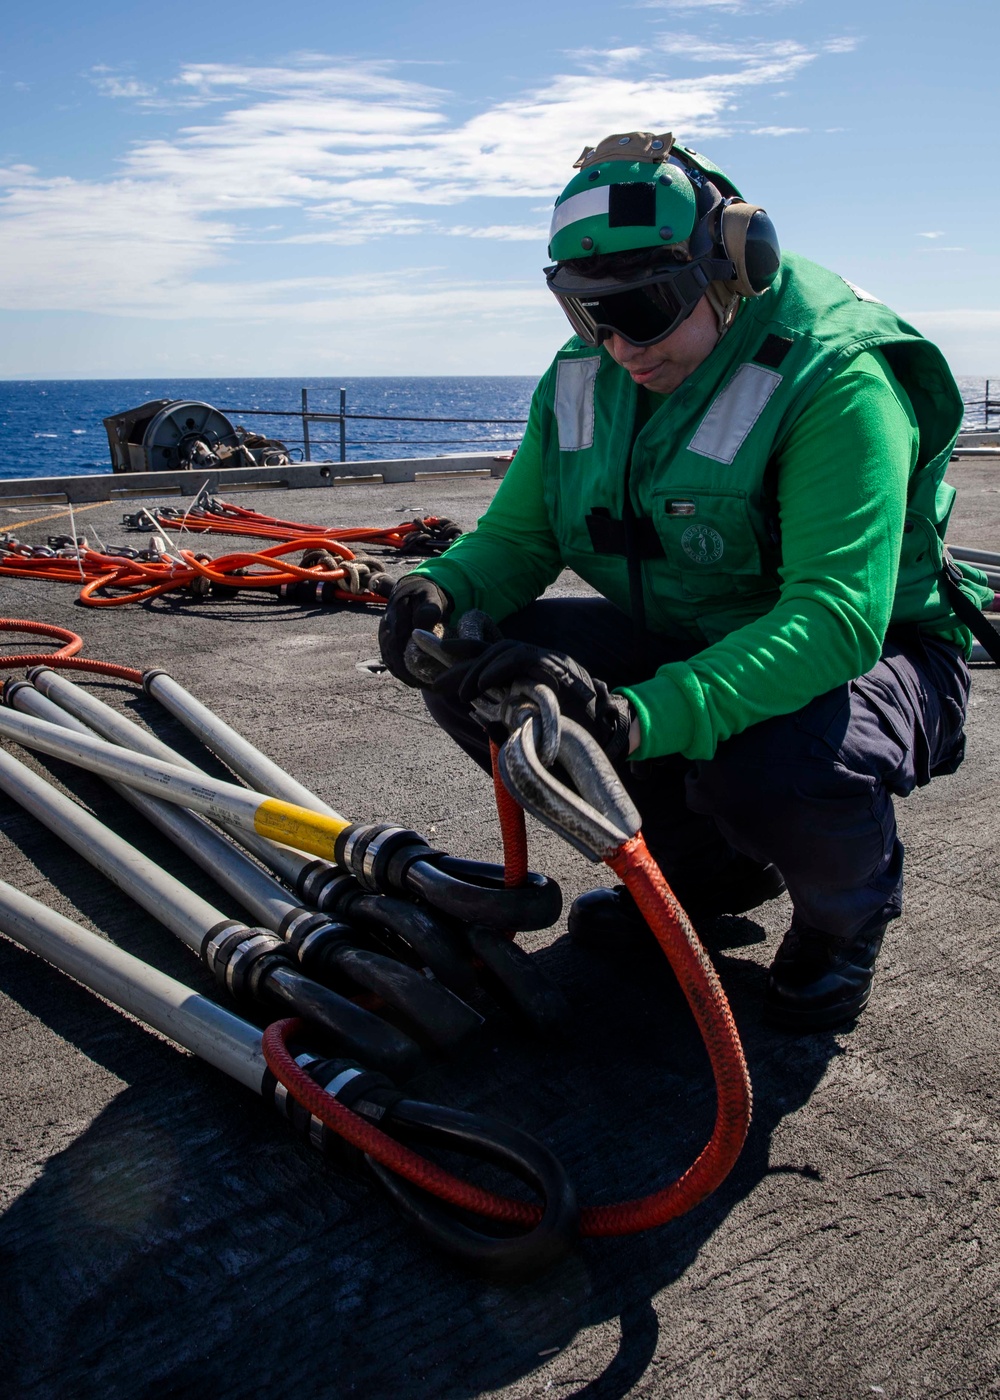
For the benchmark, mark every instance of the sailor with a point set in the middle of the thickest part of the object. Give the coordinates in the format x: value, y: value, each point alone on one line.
x: 743, y: 454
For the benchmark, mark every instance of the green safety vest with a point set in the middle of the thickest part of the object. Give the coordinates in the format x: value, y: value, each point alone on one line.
x: 700, y: 471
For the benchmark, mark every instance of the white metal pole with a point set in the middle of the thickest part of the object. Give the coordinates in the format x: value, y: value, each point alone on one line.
x: 259, y: 893
x: 249, y: 811
x: 114, y: 727
x: 241, y: 756
x: 185, y: 913
x: 207, y: 1030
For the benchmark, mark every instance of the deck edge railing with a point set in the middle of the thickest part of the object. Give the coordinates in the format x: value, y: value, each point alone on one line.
x: 114, y: 486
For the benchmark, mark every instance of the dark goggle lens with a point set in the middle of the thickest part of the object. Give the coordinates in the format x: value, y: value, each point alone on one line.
x: 642, y: 315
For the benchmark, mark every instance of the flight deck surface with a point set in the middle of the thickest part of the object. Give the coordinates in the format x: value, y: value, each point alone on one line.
x: 163, y: 1234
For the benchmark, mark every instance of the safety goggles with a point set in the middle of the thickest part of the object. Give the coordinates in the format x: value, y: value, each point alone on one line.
x: 642, y: 310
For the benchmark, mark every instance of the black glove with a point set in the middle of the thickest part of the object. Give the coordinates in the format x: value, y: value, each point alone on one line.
x: 415, y: 601
x: 608, y: 717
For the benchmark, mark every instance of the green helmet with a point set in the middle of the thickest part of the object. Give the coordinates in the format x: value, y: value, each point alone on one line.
x: 632, y: 191
x: 641, y: 233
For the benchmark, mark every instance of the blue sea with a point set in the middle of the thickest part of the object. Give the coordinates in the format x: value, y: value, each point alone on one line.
x: 51, y: 427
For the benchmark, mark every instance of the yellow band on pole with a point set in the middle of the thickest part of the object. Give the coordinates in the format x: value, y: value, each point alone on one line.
x: 298, y: 827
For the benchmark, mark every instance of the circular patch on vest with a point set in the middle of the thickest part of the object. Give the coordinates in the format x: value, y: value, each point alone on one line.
x: 702, y: 544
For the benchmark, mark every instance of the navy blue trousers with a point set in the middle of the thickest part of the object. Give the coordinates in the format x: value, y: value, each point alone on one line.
x: 810, y: 791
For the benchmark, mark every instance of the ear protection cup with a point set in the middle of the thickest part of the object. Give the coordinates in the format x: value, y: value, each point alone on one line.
x: 749, y: 239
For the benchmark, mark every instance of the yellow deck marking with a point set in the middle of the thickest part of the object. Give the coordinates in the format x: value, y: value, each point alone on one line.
x: 43, y: 519
x: 298, y: 827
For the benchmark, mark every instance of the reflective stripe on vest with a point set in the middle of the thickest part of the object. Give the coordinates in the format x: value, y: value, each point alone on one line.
x: 724, y: 428
x: 574, y: 402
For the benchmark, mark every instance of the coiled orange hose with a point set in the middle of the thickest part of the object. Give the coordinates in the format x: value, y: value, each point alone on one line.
x: 112, y: 581
x: 65, y: 657
x: 225, y: 518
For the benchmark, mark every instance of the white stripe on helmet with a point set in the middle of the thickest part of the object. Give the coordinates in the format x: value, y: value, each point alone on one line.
x: 579, y: 206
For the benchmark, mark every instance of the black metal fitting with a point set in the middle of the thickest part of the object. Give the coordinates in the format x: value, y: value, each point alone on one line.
x: 329, y: 951
x: 376, y: 1099
x: 240, y: 957
x: 475, y: 891
x: 228, y: 590
x: 320, y: 884
x: 149, y: 676
x: 300, y: 928
x: 364, y: 1091
x: 387, y: 859
x: 379, y: 855
x: 397, y: 924
x: 307, y: 592
x: 421, y: 934
x: 315, y: 941
x: 416, y: 937
x: 514, y: 977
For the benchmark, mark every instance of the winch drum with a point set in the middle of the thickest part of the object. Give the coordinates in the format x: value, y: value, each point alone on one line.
x: 160, y: 435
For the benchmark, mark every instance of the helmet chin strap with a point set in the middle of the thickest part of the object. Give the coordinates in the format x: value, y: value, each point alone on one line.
x: 724, y: 303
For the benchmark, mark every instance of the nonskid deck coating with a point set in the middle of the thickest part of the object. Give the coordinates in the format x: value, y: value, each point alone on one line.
x: 164, y: 1235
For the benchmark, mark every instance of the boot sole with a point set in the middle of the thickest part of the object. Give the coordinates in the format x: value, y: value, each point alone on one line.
x: 827, y: 1018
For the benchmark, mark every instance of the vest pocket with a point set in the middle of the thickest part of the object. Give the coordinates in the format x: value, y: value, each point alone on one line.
x: 708, y: 538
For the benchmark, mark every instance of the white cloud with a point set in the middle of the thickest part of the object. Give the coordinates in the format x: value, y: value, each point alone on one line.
x: 938, y: 234
x: 778, y: 130
x: 727, y: 7
x: 515, y: 233
x: 749, y: 54
x: 115, y: 85
x: 340, y: 153
x: 71, y: 245
x: 959, y: 319
x: 969, y: 338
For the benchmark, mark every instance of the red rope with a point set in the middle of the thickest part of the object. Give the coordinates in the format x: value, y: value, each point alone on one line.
x: 367, y: 1138
x: 512, y: 829
x: 673, y: 931
x: 700, y: 984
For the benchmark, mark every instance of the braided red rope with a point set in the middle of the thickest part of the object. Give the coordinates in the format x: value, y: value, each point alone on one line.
x: 708, y: 1002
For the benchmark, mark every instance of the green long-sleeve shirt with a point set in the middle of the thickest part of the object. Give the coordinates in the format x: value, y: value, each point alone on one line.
x: 842, y: 488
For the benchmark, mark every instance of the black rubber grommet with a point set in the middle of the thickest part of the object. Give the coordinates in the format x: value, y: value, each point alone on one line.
x: 11, y: 686
x: 149, y: 676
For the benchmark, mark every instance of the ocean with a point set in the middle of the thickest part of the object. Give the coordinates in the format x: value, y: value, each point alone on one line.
x: 51, y: 427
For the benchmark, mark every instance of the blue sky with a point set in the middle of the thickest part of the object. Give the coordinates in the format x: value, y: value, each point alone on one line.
x: 326, y: 189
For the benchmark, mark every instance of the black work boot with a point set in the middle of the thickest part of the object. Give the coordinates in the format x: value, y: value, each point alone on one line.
x: 607, y: 919
x: 819, y: 981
